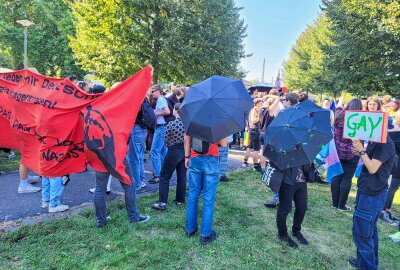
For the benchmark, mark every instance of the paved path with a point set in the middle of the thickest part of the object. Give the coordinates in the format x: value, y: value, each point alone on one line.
x: 15, y: 206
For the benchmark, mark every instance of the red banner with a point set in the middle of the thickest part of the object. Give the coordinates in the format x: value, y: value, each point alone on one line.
x: 50, y: 119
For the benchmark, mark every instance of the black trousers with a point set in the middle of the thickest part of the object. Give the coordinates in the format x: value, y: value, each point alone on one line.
x: 341, y: 184
x: 174, y: 160
x: 287, y: 194
x: 394, y: 186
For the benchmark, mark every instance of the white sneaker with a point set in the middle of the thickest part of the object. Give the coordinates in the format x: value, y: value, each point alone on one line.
x: 244, y: 165
x: 45, y: 204
x: 28, y: 189
x: 92, y: 190
x: 32, y: 179
x: 58, y: 208
x: 143, y: 185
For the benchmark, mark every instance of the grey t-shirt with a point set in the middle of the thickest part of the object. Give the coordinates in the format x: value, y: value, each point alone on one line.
x: 160, y: 105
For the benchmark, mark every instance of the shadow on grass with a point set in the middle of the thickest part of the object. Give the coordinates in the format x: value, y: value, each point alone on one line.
x: 247, y: 237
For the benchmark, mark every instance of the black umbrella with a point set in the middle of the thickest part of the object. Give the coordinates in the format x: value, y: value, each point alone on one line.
x: 297, y: 135
x: 261, y: 87
x: 215, y: 108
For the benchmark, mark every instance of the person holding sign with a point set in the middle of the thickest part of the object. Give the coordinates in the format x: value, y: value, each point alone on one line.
x: 378, y: 159
x: 341, y: 184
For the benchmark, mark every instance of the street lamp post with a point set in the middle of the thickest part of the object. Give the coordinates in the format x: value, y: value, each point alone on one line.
x: 25, y: 24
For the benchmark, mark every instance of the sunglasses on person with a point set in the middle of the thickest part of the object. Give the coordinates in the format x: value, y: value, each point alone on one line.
x: 154, y: 90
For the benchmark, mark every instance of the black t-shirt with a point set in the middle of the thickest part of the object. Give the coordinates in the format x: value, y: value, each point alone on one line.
x: 372, y: 184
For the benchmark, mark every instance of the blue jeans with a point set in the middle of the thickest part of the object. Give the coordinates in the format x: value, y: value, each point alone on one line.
x: 52, y: 189
x: 203, y: 173
x: 100, y: 196
x: 365, y: 230
x: 158, y: 149
x: 136, y: 154
x: 223, y: 160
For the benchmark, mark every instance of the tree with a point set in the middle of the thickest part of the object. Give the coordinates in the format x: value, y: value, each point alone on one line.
x: 185, y: 41
x: 365, y: 57
x: 48, y: 48
x: 305, y: 70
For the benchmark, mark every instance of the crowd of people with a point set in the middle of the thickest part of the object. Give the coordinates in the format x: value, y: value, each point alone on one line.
x: 377, y: 181
x: 159, y: 131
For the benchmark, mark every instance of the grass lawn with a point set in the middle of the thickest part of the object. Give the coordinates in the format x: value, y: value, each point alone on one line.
x: 247, y: 237
x: 6, y: 164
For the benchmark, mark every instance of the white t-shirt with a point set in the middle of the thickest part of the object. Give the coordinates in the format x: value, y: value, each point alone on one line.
x: 160, y: 105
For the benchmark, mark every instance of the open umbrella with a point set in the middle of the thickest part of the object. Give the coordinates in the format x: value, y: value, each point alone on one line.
x: 297, y: 135
x: 215, y: 108
x: 261, y: 87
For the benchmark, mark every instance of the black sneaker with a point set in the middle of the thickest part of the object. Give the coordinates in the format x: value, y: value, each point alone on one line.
x: 353, y: 262
x: 392, y: 217
x: 344, y: 209
x: 154, y: 180
x: 207, y: 240
x: 102, y: 224
x: 178, y: 203
x: 223, y: 179
x: 190, y: 234
x: 300, y: 237
x: 288, y: 241
x: 385, y: 218
x: 141, y: 219
x: 272, y: 203
x: 159, y: 206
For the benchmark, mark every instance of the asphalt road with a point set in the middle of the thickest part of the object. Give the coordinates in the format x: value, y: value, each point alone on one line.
x: 14, y: 206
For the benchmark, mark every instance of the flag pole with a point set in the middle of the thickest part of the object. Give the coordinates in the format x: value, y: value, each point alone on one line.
x: 263, y: 71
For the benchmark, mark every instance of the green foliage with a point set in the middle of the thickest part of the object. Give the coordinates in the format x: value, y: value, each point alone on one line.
x: 365, y: 57
x: 354, y: 46
x: 185, y: 41
x: 48, y: 48
x: 304, y: 70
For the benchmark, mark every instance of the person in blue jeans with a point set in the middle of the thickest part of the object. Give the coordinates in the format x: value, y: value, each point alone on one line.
x: 203, y: 175
x: 136, y: 155
x: 99, y: 199
x: 378, y: 159
x: 158, y: 148
x: 52, y: 188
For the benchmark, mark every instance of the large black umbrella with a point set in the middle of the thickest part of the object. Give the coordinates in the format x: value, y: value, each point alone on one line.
x: 297, y: 134
x: 215, y: 108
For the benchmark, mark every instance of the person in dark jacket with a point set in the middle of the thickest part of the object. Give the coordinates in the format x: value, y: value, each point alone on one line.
x: 293, y: 188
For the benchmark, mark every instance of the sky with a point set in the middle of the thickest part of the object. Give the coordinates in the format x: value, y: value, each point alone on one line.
x: 272, y: 29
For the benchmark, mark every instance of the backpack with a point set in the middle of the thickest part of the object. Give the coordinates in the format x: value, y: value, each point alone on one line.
x: 265, y: 119
x: 199, y: 146
x: 171, y: 100
x: 146, y: 118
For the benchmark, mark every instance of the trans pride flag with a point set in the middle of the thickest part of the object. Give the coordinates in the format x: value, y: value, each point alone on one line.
x: 330, y: 156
